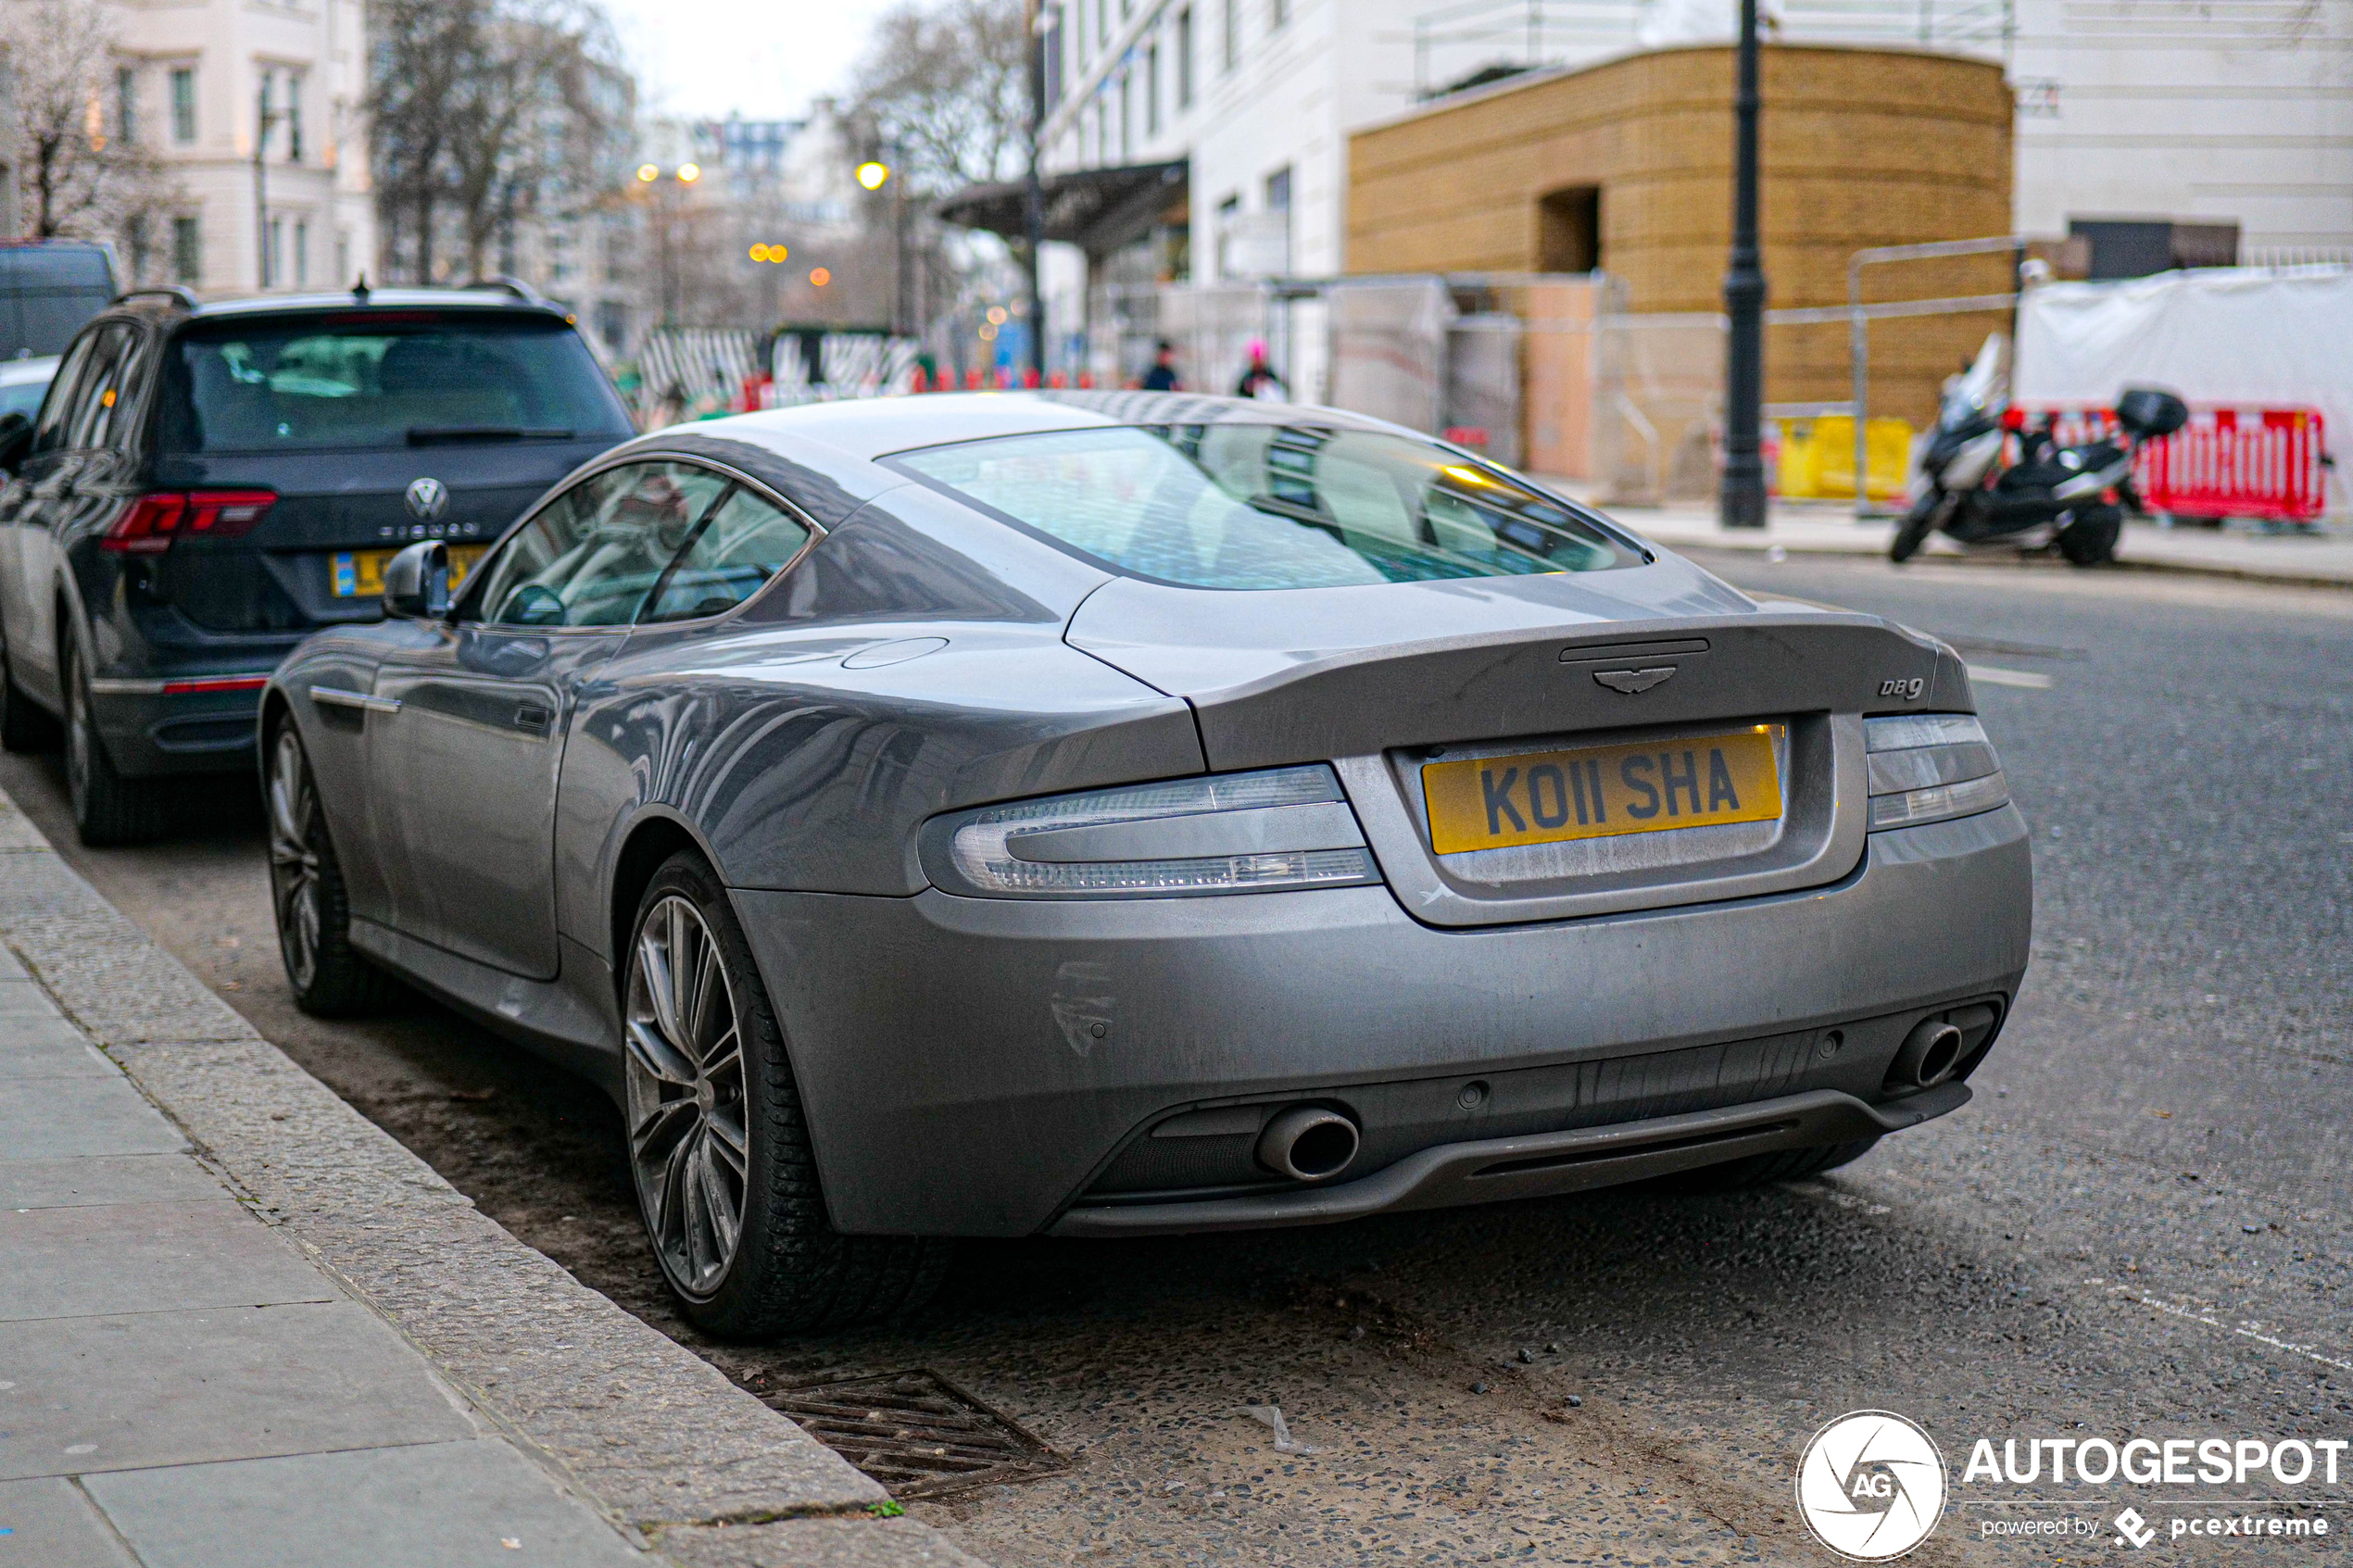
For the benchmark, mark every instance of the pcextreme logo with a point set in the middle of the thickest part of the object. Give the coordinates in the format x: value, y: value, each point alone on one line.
x: 1870, y: 1486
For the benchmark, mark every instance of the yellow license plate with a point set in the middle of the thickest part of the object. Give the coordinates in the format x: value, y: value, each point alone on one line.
x: 1603, y: 791
x: 360, y: 573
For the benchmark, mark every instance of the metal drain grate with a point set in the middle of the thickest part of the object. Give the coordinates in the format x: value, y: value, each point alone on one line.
x: 915, y: 1432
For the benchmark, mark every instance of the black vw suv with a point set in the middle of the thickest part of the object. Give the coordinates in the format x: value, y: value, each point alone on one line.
x: 206, y: 484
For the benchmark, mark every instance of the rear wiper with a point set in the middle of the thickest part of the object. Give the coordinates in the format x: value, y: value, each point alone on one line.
x: 434, y: 435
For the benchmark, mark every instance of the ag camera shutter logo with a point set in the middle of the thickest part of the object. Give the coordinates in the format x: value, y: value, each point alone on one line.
x: 1870, y: 1486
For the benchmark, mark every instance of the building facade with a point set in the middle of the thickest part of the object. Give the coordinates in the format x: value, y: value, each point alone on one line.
x: 1206, y: 140
x: 212, y: 83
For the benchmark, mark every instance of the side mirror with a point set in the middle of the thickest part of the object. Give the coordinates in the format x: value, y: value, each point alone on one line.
x: 16, y: 440
x: 417, y: 581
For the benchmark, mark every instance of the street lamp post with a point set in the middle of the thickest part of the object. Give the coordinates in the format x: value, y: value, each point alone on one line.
x: 1741, y: 501
x: 1033, y: 194
x: 872, y: 174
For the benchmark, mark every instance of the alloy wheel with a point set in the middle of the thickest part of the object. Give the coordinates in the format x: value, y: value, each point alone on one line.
x: 689, y: 1141
x: 293, y: 860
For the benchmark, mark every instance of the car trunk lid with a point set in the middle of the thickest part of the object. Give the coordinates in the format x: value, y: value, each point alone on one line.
x: 309, y: 561
x: 1385, y: 681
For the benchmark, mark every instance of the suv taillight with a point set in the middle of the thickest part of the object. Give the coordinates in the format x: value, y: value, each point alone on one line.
x: 149, y: 524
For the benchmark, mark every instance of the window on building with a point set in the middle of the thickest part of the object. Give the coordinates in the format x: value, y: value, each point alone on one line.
x: 294, y: 118
x: 302, y: 252
x: 1279, y: 12
x: 1184, y: 58
x: 126, y: 103
x: 1102, y: 23
x: 183, y: 104
x: 1151, y: 90
x: 1126, y: 118
x: 275, y: 263
x: 1278, y: 190
x: 1233, y: 33
x: 187, y: 251
x: 1051, y: 50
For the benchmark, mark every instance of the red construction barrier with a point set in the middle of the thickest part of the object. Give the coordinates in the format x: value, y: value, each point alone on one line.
x: 2267, y: 463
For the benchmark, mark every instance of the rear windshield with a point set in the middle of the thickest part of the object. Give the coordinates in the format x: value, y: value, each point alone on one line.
x: 410, y: 379
x: 1251, y: 506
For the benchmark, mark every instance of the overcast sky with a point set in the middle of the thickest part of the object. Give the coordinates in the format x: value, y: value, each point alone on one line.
x: 766, y: 59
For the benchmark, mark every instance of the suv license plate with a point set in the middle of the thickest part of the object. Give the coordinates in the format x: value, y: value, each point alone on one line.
x: 360, y: 573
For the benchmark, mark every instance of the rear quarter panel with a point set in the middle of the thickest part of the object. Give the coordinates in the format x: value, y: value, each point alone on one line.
x: 912, y: 663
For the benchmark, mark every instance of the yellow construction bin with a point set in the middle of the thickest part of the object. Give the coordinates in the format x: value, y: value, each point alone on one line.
x: 1817, y: 457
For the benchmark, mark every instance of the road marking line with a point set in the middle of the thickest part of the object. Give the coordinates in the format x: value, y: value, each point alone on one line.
x: 1994, y: 675
x: 2191, y: 1314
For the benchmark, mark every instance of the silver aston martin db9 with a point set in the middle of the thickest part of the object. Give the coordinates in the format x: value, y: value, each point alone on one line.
x: 1102, y: 815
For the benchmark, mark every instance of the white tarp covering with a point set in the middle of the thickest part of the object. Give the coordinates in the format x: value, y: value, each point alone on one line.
x: 2233, y: 337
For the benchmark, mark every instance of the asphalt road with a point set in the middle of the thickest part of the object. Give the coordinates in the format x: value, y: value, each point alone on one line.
x: 2139, y: 1228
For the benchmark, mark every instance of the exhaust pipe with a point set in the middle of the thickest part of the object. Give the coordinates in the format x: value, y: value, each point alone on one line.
x: 1928, y: 1055
x: 1308, y: 1143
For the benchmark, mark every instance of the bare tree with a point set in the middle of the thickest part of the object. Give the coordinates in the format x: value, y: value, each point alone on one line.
x: 80, y: 176
x: 486, y: 111
x: 947, y: 83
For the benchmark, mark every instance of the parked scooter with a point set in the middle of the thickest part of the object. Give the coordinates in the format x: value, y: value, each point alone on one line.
x: 2072, y: 498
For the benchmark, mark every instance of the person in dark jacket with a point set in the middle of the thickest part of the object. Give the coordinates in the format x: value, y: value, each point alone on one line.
x: 1161, y: 377
x: 1259, y: 380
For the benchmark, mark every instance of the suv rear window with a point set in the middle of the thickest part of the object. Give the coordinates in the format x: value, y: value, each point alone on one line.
x: 397, y: 379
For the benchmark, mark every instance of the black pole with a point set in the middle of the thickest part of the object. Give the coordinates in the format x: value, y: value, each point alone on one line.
x: 1034, y: 197
x: 1741, y: 504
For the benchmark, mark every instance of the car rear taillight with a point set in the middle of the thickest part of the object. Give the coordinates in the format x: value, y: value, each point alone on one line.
x: 149, y: 524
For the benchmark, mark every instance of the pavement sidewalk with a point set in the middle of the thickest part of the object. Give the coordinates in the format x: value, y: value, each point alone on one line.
x: 241, y: 1327
x: 2322, y: 560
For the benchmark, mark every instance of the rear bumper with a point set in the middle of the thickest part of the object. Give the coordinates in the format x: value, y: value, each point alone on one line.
x: 976, y: 1066
x: 151, y: 729
x: 1544, y: 1165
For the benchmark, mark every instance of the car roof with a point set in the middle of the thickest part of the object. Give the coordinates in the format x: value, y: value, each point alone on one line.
x: 868, y: 428
x: 375, y: 299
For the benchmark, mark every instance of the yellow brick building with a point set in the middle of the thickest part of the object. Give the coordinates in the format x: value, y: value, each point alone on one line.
x: 1626, y: 166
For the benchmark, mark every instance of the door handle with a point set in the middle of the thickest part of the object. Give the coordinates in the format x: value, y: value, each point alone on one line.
x: 531, y: 716
x: 334, y: 696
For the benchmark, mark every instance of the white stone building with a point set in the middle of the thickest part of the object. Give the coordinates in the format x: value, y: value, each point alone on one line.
x: 200, y: 80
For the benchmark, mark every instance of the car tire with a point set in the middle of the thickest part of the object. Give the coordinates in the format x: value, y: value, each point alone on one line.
x: 24, y: 726
x: 716, y: 1122
x: 1762, y: 1170
x: 307, y: 892
x: 109, y: 810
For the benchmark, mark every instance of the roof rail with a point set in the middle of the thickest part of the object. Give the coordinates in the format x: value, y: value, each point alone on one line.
x: 180, y: 292
x: 515, y: 286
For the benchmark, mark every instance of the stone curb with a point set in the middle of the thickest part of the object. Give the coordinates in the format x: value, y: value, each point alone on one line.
x: 1677, y: 538
x: 660, y: 1440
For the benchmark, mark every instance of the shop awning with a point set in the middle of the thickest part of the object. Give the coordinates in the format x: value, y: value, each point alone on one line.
x: 1098, y: 209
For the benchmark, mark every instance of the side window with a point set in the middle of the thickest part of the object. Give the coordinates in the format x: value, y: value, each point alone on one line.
x: 49, y: 429
x: 102, y: 401
x: 591, y: 556
x: 743, y: 542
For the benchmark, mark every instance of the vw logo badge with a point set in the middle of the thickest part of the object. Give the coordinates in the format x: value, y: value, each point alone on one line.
x: 428, y: 498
